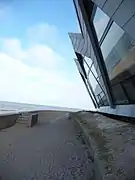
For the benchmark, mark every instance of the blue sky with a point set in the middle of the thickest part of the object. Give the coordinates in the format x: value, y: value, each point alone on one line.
x: 36, y: 54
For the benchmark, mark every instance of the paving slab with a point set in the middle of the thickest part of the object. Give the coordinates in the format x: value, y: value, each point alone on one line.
x: 50, y: 150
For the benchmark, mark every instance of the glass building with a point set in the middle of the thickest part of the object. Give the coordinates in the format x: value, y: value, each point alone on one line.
x: 105, y: 53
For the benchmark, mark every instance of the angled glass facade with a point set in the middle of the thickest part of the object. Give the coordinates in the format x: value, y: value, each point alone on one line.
x: 100, y: 22
x: 106, y: 54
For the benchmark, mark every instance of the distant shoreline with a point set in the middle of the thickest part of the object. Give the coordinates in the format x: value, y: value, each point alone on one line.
x: 15, y: 112
x: 14, y: 106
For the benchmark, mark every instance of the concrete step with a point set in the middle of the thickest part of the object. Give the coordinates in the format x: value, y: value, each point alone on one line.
x: 23, y: 116
x: 22, y: 122
x: 23, y: 119
x: 28, y: 119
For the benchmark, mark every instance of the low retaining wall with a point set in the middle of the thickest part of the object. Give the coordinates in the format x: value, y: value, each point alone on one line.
x: 29, y: 119
x: 48, y: 115
x: 7, y: 120
x: 111, y: 143
x: 34, y: 119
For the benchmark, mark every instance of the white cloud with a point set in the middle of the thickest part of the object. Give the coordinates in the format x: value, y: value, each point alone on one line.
x: 43, y: 56
x: 42, y: 32
x: 38, y: 55
x: 12, y: 47
x: 34, y: 75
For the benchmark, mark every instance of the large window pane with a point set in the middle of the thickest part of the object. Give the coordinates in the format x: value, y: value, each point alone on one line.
x: 86, y: 67
x: 92, y: 81
x: 88, y: 60
x: 100, y: 22
x: 111, y: 40
x: 97, y: 85
x: 93, y: 77
x: 95, y: 81
x: 102, y: 99
x: 94, y: 71
x: 119, y: 55
x: 130, y: 89
x: 119, y: 94
x: 118, y: 52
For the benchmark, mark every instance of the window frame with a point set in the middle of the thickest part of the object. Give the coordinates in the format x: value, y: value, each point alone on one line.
x: 88, y: 16
x: 108, y: 25
x: 87, y: 8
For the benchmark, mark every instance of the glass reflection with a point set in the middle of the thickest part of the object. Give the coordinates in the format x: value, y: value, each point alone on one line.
x: 97, y: 87
x: 100, y: 22
x: 95, y: 80
x: 119, y: 55
x: 86, y: 67
x: 92, y: 80
x: 88, y: 60
x: 118, y: 51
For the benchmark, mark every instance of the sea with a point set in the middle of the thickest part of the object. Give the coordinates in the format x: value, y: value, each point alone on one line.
x: 6, y: 106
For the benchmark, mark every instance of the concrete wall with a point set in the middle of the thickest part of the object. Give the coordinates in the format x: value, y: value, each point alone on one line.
x: 50, y: 115
x: 8, y: 120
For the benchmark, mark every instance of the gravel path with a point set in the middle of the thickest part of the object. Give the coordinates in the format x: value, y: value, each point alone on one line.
x: 51, y: 150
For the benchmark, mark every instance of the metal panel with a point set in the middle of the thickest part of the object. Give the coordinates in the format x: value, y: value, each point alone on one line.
x: 81, y: 46
x: 124, y: 12
x: 77, y: 42
x: 84, y: 49
x: 72, y: 38
x: 100, y: 3
x: 75, y: 45
x: 75, y: 39
x: 78, y: 14
x: 121, y: 110
x: 89, y: 48
x: 130, y: 27
x: 111, y: 6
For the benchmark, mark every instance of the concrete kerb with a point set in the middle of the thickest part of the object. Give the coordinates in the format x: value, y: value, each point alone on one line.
x: 88, y: 141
